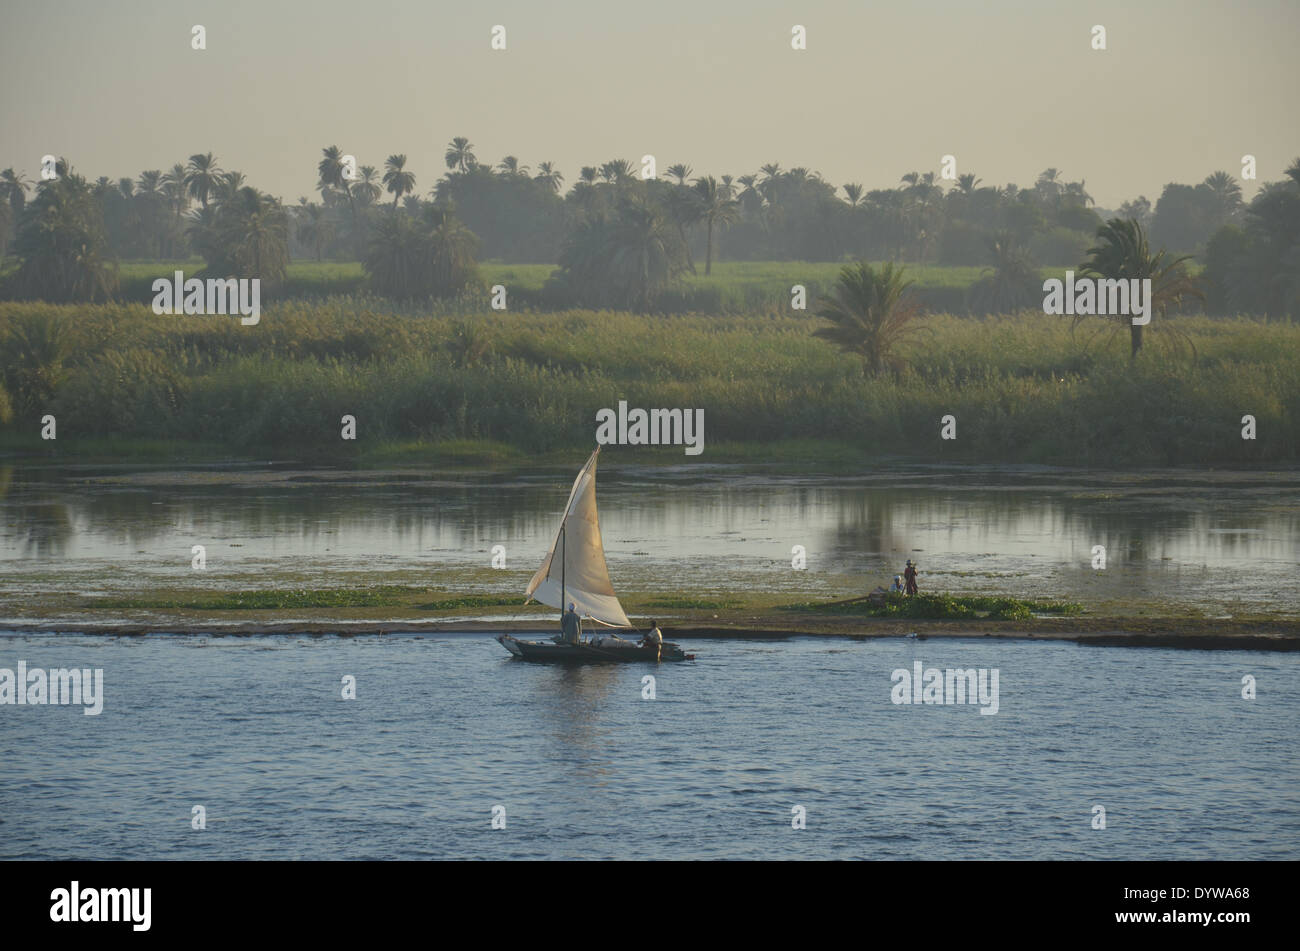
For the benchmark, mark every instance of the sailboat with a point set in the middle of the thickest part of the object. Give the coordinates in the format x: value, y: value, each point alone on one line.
x: 574, y: 572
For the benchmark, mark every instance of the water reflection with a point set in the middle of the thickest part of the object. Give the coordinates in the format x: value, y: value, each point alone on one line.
x: 966, y: 528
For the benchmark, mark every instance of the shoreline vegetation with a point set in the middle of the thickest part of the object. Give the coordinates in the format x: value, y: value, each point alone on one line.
x: 394, y: 609
x: 503, y: 390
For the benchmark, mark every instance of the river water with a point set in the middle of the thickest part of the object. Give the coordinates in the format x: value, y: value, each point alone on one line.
x: 446, y: 727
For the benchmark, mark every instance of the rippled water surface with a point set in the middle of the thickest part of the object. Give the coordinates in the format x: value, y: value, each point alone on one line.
x: 444, y: 728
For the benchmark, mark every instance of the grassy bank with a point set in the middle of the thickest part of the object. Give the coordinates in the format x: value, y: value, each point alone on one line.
x: 378, y: 610
x: 495, y: 388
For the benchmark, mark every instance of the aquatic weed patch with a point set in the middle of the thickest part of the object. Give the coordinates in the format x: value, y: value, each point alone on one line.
x: 941, y: 607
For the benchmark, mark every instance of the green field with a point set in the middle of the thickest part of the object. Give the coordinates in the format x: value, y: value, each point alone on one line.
x: 734, y: 287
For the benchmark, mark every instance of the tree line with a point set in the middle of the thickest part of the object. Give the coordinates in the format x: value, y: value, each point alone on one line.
x: 620, y: 239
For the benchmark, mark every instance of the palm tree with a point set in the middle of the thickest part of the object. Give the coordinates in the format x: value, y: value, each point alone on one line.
x: 621, y: 260
x: 1124, y: 254
x: 549, y: 176
x: 61, y: 246
x: 683, y: 208
x: 150, y: 183
x: 1012, y: 284
x: 13, y: 189
x: 429, y: 257
x: 645, y: 257
x: 314, y: 227
x: 40, y: 347
x: 250, y: 237
x: 616, y: 171
x: 510, y: 166
x: 175, y: 191
x: 1077, y: 192
x: 588, y: 174
x: 868, y: 313
x: 1227, y: 195
x: 397, y: 179
x: 968, y: 183
x: 366, y: 186
x: 713, y: 208
x: 680, y: 172
x: 853, y: 192
x: 727, y: 186
x: 460, y: 155
x: 751, y: 199
x: 330, y: 168
x: 1048, y: 185
x: 332, y: 183
x: 228, y: 186
x: 201, y: 176
x: 149, y: 197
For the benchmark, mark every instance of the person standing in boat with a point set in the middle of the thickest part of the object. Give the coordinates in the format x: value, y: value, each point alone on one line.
x: 654, y: 639
x: 571, y: 626
x: 909, y: 575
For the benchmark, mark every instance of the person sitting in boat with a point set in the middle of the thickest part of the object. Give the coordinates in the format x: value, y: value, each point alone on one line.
x: 570, y: 626
x: 897, y: 586
x: 909, y: 575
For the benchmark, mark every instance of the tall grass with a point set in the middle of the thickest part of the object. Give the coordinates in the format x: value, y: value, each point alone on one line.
x: 735, y: 287
x: 1022, y: 388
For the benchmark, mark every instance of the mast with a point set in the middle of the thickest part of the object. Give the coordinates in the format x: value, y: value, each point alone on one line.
x: 566, y: 518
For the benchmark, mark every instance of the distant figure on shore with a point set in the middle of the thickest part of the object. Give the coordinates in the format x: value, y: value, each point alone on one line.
x: 570, y: 626
x: 654, y: 639
x: 909, y: 574
x: 897, y: 586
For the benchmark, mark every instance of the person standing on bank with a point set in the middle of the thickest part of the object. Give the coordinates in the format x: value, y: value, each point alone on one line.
x: 909, y: 576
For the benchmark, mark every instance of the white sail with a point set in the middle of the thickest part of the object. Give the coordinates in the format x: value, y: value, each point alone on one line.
x: 580, y: 569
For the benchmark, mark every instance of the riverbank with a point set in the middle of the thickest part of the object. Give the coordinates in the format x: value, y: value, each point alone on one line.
x: 1182, y: 633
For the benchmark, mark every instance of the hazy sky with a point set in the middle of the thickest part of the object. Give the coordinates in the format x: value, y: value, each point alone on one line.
x: 1010, y: 88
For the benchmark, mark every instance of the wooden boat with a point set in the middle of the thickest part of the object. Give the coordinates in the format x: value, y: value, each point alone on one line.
x: 549, y: 652
x: 574, y: 572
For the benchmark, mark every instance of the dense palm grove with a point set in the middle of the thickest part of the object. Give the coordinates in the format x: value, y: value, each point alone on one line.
x: 620, y: 239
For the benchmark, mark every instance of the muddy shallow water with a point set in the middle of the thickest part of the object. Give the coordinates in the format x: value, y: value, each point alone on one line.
x: 1221, y: 543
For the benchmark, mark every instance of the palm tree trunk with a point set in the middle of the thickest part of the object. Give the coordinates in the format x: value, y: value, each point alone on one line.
x: 1135, y: 339
x: 690, y: 260
x: 708, y: 258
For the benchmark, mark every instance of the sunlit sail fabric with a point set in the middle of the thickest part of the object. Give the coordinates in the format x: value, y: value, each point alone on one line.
x: 586, y: 579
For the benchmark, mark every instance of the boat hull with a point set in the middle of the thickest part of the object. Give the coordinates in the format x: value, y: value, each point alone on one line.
x: 544, y: 652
